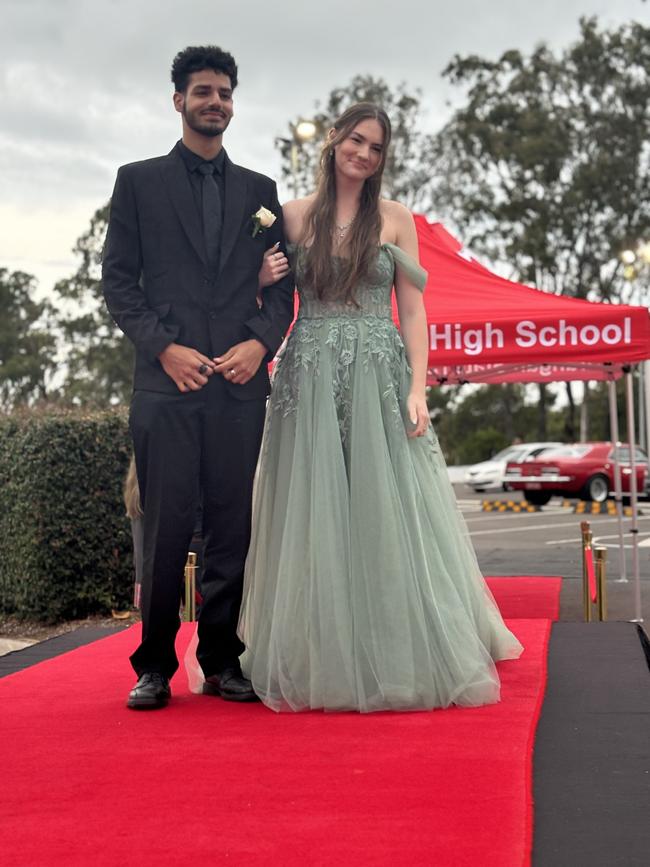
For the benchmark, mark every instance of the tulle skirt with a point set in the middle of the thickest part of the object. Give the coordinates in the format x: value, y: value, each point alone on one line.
x: 362, y: 590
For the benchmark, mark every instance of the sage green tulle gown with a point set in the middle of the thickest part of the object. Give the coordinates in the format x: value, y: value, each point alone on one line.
x: 361, y: 591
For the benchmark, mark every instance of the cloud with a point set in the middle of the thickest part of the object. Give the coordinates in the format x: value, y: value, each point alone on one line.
x: 85, y: 86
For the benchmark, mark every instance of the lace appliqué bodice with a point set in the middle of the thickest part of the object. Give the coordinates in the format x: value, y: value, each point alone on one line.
x: 372, y: 298
x: 349, y: 333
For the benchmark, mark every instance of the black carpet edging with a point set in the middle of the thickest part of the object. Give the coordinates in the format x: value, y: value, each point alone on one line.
x: 17, y: 660
x: 645, y: 642
x: 591, y: 761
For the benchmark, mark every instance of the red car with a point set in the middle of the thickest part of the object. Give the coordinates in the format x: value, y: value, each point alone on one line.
x: 584, y: 470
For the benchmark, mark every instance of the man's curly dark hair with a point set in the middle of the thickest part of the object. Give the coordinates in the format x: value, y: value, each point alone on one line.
x: 198, y: 58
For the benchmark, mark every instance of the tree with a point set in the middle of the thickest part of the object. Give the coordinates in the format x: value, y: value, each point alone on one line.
x: 27, y: 341
x: 409, y: 166
x: 100, y: 359
x: 546, y: 166
x: 474, y: 425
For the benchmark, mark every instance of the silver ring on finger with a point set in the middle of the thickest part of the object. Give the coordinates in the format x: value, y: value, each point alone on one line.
x: 232, y: 371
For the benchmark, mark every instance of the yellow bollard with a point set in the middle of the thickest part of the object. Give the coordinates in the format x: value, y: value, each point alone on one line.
x: 601, y: 581
x: 189, y: 604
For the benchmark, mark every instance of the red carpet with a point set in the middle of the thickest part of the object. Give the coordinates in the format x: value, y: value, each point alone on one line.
x: 86, y: 782
x: 527, y: 597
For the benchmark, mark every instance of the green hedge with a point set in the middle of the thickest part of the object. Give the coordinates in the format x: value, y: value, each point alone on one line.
x: 65, y: 542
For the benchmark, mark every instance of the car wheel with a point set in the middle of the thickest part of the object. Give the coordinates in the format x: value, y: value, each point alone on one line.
x: 538, y: 498
x: 596, y: 488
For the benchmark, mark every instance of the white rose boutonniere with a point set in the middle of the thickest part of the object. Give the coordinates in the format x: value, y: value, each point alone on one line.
x: 262, y: 219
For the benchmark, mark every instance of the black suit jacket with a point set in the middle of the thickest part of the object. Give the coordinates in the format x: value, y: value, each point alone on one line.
x: 158, y: 284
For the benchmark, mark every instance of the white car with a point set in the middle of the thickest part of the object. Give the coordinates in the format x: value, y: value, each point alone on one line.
x: 489, y: 475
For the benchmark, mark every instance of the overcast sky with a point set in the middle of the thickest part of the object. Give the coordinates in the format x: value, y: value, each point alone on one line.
x: 85, y: 86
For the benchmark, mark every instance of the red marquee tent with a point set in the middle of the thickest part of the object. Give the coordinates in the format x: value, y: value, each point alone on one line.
x: 484, y: 328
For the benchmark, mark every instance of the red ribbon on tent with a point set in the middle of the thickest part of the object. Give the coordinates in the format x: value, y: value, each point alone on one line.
x: 591, y: 573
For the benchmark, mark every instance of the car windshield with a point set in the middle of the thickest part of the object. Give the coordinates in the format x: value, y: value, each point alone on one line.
x: 512, y: 453
x: 568, y: 452
x: 624, y: 455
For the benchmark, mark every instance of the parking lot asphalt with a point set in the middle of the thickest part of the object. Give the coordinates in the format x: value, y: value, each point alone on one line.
x: 548, y: 542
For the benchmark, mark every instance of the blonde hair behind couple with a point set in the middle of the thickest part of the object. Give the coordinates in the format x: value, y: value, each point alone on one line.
x: 132, y: 493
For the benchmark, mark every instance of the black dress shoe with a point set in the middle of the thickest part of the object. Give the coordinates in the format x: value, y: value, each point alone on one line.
x: 150, y: 692
x: 231, y: 685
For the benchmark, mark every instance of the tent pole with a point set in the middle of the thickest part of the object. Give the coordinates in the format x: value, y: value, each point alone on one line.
x: 646, y: 383
x: 618, y: 493
x: 641, y: 403
x: 634, y: 529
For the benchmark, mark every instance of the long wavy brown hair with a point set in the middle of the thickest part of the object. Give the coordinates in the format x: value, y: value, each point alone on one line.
x: 336, y: 277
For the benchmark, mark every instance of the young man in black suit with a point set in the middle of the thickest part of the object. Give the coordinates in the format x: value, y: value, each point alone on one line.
x: 180, y: 277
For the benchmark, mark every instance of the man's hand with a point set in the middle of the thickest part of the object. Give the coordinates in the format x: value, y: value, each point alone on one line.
x: 241, y: 362
x: 188, y: 367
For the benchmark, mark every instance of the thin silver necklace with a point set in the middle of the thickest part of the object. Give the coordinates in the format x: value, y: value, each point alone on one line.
x: 343, y: 229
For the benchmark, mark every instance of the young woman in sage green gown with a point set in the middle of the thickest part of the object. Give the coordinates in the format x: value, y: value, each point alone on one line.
x: 361, y: 591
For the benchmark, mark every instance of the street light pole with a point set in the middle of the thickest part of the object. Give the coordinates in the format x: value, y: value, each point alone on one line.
x: 301, y: 132
x: 635, y: 263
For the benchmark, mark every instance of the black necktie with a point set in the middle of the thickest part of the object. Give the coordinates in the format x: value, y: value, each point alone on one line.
x: 211, y: 211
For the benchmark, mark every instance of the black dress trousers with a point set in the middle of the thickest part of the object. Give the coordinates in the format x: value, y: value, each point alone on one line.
x: 198, y: 443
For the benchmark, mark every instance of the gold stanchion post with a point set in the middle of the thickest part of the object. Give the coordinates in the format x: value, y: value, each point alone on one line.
x: 189, y: 606
x: 601, y: 581
x: 587, y: 539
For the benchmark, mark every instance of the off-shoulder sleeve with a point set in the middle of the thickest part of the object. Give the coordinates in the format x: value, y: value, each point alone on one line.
x: 413, y: 270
